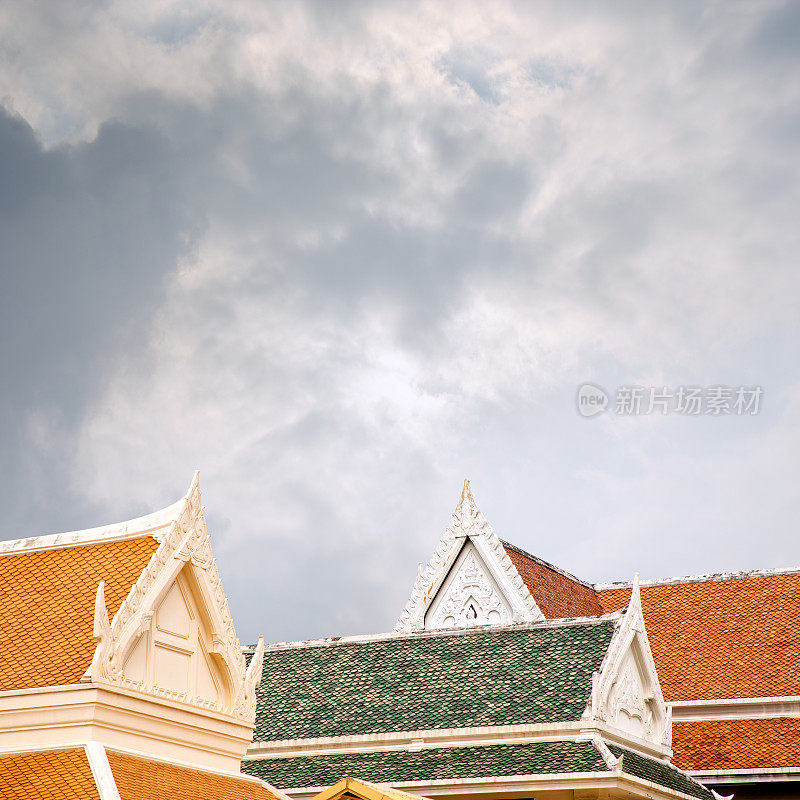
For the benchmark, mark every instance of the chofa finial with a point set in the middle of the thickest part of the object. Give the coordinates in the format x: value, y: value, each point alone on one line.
x: 466, y: 493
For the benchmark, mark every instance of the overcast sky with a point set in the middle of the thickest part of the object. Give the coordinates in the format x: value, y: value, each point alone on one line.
x: 339, y: 256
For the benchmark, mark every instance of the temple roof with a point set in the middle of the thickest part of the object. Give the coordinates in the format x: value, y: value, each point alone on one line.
x: 48, y: 588
x: 77, y: 773
x: 732, y: 744
x: 506, y: 676
x: 557, y: 593
x: 728, y: 637
x: 459, y: 763
x: 47, y: 606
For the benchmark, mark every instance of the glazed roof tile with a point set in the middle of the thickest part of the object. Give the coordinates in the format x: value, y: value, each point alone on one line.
x: 727, y: 638
x: 454, y: 763
x: 659, y: 772
x: 737, y: 744
x: 438, y: 763
x: 557, y: 593
x: 138, y: 778
x: 47, y: 607
x: 53, y: 775
x: 504, y: 676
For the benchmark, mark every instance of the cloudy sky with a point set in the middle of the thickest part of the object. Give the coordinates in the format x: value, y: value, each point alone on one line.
x: 339, y: 256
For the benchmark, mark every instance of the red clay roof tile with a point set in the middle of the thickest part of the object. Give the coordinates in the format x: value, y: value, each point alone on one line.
x: 139, y: 778
x: 737, y: 744
x: 719, y: 639
x: 557, y: 595
x: 55, y: 775
x: 47, y: 607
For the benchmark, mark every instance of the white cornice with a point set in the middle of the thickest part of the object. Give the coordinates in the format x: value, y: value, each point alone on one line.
x: 731, y: 776
x: 121, y: 719
x: 419, y: 739
x: 736, y: 708
x: 478, y: 736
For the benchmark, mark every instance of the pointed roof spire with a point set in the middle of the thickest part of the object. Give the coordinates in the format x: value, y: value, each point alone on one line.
x: 466, y: 508
x: 468, y: 527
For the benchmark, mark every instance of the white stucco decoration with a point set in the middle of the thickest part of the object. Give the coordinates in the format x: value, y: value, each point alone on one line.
x: 470, y: 580
x: 173, y: 635
x: 626, y: 693
x: 469, y: 596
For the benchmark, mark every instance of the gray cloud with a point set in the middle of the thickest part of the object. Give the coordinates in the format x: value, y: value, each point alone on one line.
x: 337, y: 261
x: 88, y: 233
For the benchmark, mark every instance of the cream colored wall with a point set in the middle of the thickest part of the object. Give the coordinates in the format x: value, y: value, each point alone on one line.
x: 173, y: 652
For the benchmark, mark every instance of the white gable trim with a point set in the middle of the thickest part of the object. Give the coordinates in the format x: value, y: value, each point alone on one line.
x: 154, y: 524
x: 627, y: 686
x: 185, y: 545
x: 101, y: 770
x: 468, y: 524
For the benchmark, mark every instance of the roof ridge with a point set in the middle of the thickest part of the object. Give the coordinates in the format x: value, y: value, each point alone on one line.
x: 135, y: 528
x: 547, y: 564
x: 702, y: 578
x: 567, y: 622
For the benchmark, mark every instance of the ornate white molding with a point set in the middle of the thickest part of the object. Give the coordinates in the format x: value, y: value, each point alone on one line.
x: 245, y: 703
x: 154, y: 524
x: 469, y: 596
x: 626, y: 693
x: 468, y: 525
x: 186, y: 542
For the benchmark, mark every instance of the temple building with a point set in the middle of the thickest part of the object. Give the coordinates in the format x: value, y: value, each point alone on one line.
x: 508, y: 677
x: 121, y: 677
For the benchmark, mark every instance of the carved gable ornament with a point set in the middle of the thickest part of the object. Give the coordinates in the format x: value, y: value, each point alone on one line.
x: 626, y: 694
x: 470, y: 579
x: 173, y: 635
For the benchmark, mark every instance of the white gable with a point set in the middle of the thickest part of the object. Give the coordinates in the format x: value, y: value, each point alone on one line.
x: 470, y: 579
x: 469, y: 595
x: 626, y: 694
x: 173, y: 635
x: 173, y: 653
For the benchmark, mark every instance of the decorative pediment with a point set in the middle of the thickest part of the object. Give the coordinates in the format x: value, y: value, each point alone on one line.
x: 470, y: 579
x: 626, y: 694
x: 173, y: 635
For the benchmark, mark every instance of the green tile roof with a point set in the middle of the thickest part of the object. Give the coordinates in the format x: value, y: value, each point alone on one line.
x: 506, y: 676
x: 452, y: 763
x: 659, y: 772
x: 440, y: 763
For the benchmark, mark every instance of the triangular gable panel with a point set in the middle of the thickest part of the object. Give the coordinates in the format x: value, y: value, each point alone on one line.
x: 469, y: 595
x: 173, y: 636
x: 172, y: 654
x: 626, y: 694
x: 470, y: 579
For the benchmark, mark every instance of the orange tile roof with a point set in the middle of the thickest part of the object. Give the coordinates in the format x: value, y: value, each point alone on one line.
x: 557, y: 594
x: 139, y: 778
x: 713, y: 639
x: 737, y: 744
x: 47, y: 607
x: 56, y: 775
